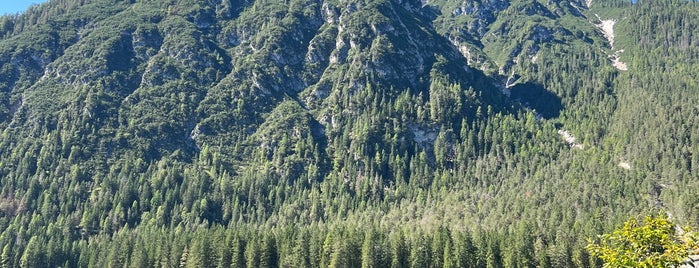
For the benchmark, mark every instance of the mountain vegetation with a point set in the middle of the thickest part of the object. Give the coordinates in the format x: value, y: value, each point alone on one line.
x: 654, y: 242
x: 342, y: 133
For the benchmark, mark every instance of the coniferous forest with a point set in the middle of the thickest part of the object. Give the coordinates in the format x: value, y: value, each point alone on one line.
x: 342, y: 133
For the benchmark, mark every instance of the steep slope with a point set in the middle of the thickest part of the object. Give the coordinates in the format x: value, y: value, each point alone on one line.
x: 156, y: 82
x: 311, y: 133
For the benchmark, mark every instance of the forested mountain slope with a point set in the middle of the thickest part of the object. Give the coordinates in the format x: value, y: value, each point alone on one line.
x: 315, y: 133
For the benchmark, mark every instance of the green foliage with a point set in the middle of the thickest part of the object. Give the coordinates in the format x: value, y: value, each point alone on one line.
x: 308, y: 133
x: 653, y: 242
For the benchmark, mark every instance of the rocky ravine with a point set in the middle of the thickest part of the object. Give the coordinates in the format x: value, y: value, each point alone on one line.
x: 607, y: 28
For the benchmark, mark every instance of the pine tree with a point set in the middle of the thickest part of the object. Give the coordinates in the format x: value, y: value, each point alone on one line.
x: 252, y: 253
x: 399, y: 250
x: 268, y: 255
x: 369, y: 250
x: 33, y: 255
x: 419, y: 252
x: 6, y: 258
x: 340, y: 255
x: 302, y: 253
x: 184, y: 258
x: 238, y: 252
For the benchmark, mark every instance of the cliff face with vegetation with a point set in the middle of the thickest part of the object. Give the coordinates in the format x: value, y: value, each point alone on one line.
x: 310, y: 133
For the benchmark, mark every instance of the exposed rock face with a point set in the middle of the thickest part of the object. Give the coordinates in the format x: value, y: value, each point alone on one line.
x: 607, y: 28
x: 222, y: 58
x: 494, y: 38
x: 570, y: 139
x: 483, y: 13
x: 167, y: 117
x: 692, y: 261
x: 624, y: 165
x: 146, y: 43
x: 423, y: 135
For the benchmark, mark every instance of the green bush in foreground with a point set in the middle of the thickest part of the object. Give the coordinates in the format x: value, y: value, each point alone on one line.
x: 653, y: 242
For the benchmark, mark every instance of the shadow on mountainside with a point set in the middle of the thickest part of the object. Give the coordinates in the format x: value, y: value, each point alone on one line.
x: 535, y: 96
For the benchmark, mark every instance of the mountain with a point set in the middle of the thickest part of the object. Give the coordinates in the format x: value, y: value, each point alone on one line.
x: 314, y: 133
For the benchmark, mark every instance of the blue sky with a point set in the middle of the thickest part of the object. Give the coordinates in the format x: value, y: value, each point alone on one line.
x: 14, y: 6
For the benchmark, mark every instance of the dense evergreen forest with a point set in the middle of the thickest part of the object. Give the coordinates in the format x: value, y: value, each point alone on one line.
x: 342, y: 133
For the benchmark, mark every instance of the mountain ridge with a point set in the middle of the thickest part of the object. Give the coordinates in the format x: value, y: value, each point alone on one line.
x: 297, y: 133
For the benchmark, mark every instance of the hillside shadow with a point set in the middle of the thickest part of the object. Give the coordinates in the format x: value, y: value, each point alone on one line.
x: 535, y: 96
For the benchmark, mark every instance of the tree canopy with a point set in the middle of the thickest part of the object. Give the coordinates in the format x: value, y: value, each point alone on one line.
x: 653, y: 241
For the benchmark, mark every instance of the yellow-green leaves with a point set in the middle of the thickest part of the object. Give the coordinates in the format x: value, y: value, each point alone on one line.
x: 653, y: 242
